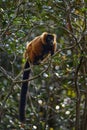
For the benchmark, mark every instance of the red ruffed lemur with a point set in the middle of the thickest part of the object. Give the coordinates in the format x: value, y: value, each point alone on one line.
x: 36, y: 51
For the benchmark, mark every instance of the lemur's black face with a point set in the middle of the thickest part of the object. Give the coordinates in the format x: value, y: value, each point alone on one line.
x: 50, y: 40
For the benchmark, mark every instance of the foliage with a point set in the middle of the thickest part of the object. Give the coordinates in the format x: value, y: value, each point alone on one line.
x: 58, y: 95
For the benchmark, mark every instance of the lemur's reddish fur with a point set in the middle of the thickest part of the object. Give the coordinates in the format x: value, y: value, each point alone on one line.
x: 36, y: 51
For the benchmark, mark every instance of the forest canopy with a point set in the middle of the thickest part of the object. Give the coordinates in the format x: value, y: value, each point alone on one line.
x: 57, y: 95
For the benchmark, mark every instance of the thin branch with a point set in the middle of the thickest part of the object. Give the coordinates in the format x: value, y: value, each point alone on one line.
x: 5, y: 73
x: 35, y: 77
x: 77, y: 126
x: 12, y: 19
x: 4, y: 101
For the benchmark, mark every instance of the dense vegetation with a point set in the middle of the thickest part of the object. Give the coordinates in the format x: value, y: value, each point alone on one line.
x: 57, y: 97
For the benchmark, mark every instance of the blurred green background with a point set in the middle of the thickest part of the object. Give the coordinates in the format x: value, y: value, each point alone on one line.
x: 58, y: 97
